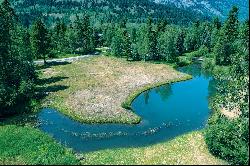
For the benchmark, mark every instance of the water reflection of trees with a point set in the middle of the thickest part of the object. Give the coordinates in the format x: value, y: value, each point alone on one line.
x: 164, y: 91
x: 212, y: 87
x: 194, y: 70
x: 146, y: 97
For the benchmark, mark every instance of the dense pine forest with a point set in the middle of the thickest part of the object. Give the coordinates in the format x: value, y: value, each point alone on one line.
x: 101, y: 12
x: 135, y: 30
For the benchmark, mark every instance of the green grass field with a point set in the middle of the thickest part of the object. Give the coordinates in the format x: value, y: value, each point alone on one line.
x: 189, y: 149
x: 27, y: 145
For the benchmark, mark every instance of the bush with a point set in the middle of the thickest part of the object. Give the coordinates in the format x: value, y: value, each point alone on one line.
x: 183, y: 61
x: 228, y: 139
x: 203, y: 51
x: 208, y: 64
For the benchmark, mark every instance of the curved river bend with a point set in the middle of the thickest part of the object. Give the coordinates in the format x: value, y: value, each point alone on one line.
x: 167, y: 111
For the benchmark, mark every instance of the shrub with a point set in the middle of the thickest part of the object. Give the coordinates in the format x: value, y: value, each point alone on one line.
x: 183, y: 61
x: 228, y: 139
x: 208, y: 64
x: 202, y: 51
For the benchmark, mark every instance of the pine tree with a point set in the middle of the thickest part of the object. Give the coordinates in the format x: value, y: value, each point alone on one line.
x: 127, y: 45
x: 133, y: 35
x: 151, y: 41
x: 224, y: 49
x: 108, y: 34
x: 161, y: 25
x: 180, y: 44
x: 240, y: 60
x: 192, y: 36
x: 216, y: 23
x: 117, y: 45
x: 40, y: 40
x: 216, y: 26
x: 148, y: 39
x: 231, y: 26
x: 59, y: 37
x: 16, y: 64
x: 168, y: 45
x: 84, y: 34
x: 154, y: 51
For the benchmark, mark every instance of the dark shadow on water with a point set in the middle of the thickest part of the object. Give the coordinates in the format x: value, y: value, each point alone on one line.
x: 23, y: 119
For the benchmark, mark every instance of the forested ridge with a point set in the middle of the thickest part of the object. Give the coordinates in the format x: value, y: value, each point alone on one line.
x: 102, y: 11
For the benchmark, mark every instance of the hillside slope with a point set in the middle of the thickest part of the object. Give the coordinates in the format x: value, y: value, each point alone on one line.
x: 210, y: 7
x: 103, y: 11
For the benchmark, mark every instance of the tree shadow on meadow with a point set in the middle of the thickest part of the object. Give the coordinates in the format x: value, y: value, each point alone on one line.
x: 46, y: 81
x: 50, y: 64
x: 28, y: 111
x: 45, y: 86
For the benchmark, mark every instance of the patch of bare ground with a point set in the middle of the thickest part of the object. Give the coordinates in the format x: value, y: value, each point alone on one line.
x: 98, y: 86
x: 231, y: 114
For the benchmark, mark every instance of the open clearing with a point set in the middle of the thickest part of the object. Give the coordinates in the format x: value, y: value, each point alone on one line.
x: 96, y: 88
x: 92, y: 90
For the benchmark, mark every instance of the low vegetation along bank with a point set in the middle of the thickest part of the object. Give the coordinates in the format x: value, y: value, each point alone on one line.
x: 93, y: 90
x: 27, y: 145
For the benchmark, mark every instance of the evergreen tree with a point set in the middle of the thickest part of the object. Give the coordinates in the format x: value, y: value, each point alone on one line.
x: 133, y: 35
x: 180, y: 43
x: 240, y: 60
x: 71, y: 39
x: 154, y: 49
x: 16, y: 64
x: 117, y: 45
x: 168, y: 45
x: 231, y: 26
x: 224, y: 49
x: 108, y: 34
x: 59, y: 37
x: 148, y: 39
x: 126, y: 42
x: 216, y: 26
x: 127, y: 45
x: 40, y: 40
x: 84, y: 34
x: 191, y: 42
x: 161, y: 25
x: 216, y: 23
x: 151, y: 41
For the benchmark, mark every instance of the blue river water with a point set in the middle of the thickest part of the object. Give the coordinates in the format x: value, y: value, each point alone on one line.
x: 167, y: 111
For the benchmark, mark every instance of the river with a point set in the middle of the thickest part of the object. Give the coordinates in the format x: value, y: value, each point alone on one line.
x: 167, y: 111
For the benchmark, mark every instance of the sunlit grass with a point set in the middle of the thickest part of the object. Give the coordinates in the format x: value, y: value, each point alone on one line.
x: 26, y: 145
x: 189, y: 149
